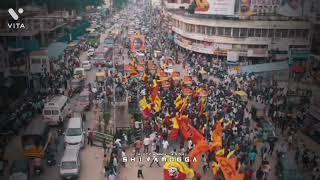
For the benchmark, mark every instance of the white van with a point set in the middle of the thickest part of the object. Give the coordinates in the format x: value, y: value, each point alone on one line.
x: 70, y: 162
x: 75, y: 133
x: 55, y: 111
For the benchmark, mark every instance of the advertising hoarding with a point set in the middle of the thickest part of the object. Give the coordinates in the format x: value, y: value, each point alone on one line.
x: 259, y: 7
x: 291, y: 8
x: 217, y: 7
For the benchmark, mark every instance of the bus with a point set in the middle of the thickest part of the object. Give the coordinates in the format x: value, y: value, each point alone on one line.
x: 35, y: 139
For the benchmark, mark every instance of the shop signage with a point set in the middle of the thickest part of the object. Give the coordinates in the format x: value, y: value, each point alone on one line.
x: 257, y: 52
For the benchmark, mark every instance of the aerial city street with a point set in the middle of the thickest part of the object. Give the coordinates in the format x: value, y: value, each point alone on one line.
x: 160, y: 90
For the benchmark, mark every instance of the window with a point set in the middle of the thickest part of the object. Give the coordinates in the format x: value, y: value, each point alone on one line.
x: 55, y: 112
x: 235, y: 32
x: 292, y: 33
x: 271, y: 33
x: 203, y: 29
x: 213, y: 31
x: 243, y: 32
x: 278, y: 33
x: 305, y: 33
x: 227, y: 32
x: 251, y: 33
x: 47, y: 112
x: 264, y: 33
x: 36, y: 61
x: 198, y: 29
x: 298, y: 33
x: 193, y: 28
x: 257, y: 33
x: 220, y: 31
x: 74, y: 132
x: 284, y: 33
x: 208, y: 30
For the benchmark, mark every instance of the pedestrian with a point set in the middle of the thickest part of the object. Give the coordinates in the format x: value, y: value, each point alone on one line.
x: 165, y: 145
x: 104, y: 144
x: 105, y: 163
x: 90, y: 137
x: 140, y: 173
x: 123, y: 155
x: 204, y: 164
x: 155, y: 160
x: 146, y: 143
x: 138, y: 145
x: 259, y: 174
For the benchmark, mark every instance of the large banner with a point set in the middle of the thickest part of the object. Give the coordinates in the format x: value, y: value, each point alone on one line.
x: 137, y: 43
x: 259, y: 7
x: 218, y: 7
x: 291, y: 8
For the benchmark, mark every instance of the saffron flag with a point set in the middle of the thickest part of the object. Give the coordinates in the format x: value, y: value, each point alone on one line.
x: 228, y: 167
x: 217, y: 135
x: 201, y: 148
x: 180, y: 170
x: 189, y: 132
x: 175, y: 130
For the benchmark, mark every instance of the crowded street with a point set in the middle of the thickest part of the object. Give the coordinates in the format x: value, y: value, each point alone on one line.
x: 133, y: 98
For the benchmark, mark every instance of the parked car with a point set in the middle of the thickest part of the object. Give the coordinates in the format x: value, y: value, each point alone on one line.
x: 86, y: 65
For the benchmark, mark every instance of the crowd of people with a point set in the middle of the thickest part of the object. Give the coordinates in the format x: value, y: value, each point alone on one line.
x: 247, y: 139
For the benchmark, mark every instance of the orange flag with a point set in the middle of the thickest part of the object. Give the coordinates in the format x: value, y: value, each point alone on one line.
x: 217, y: 135
x: 201, y: 148
x: 228, y: 167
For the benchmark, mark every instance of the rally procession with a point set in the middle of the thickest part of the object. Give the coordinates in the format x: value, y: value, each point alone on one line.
x: 160, y: 90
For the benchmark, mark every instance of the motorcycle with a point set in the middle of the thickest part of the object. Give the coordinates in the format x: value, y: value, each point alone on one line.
x: 51, y: 160
x: 37, y: 166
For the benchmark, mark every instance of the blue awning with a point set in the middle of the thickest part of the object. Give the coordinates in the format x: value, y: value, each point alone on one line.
x: 56, y: 49
x: 267, y: 67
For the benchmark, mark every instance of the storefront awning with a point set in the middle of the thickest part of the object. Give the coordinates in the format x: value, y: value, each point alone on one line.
x: 56, y: 49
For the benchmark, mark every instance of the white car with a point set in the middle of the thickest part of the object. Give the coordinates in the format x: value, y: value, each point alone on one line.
x: 86, y: 65
x: 75, y: 133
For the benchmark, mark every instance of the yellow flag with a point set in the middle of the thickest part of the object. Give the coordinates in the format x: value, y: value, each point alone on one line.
x: 231, y: 153
x: 220, y: 152
x: 175, y: 123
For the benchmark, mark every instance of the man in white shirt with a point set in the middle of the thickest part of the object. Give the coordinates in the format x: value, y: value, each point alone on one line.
x: 146, y: 143
x: 165, y: 145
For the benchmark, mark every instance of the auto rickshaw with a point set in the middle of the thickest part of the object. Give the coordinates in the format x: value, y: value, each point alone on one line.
x: 100, y: 76
x: 77, y: 85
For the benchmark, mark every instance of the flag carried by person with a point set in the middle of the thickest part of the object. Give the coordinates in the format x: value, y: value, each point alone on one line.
x: 176, y: 170
x: 229, y: 169
x: 175, y: 130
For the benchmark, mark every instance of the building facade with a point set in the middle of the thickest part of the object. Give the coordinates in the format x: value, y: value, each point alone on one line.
x: 251, y: 40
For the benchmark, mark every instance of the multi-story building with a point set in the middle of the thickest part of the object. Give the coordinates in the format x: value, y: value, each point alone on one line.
x: 252, y: 37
